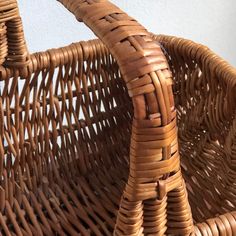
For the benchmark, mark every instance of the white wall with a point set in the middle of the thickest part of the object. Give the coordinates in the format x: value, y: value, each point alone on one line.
x: 210, y: 22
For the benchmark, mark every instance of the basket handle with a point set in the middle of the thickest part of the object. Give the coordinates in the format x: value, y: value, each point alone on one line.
x: 154, y: 157
x: 13, y: 50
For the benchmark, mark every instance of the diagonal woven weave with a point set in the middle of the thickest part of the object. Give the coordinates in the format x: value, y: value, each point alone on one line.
x: 88, y: 132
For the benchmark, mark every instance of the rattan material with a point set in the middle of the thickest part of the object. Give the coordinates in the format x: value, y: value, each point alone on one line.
x: 89, y: 141
x: 205, y: 98
x: 13, y: 48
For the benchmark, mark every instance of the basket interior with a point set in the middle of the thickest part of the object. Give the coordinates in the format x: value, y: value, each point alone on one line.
x: 206, y: 129
x: 70, y: 125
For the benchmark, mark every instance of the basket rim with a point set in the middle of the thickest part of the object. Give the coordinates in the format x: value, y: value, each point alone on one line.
x: 201, y: 53
x: 55, y: 57
x: 45, y: 59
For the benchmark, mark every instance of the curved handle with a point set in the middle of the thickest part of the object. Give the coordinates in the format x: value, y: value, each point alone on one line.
x: 136, y: 53
x: 154, y: 157
x: 13, y: 50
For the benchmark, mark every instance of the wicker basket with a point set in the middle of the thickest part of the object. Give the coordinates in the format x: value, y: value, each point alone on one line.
x: 89, y: 141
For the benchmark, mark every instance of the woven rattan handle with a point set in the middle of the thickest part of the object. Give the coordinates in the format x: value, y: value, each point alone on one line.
x: 155, y: 177
x: 13, y: 50
x: 154, y: 158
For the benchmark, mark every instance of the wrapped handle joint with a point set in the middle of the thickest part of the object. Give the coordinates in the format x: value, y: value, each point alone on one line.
x: 13, y: 50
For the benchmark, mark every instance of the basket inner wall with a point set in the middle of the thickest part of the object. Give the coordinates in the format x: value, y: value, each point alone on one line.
x: 206, y: 132
x: 66, y: 139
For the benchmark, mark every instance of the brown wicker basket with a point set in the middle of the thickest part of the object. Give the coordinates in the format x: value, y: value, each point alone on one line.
x: 88, y: 135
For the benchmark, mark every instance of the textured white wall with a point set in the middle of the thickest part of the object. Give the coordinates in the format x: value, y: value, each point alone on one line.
x: 210, y: 22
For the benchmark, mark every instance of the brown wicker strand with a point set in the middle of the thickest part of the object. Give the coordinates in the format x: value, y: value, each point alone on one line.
x: 13, y: 47
x: 89, y: 143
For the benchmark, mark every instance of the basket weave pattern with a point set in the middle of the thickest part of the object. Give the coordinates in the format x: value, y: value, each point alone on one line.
x: 88, y: 132
x: 3, y: 43
x: 205, y: 98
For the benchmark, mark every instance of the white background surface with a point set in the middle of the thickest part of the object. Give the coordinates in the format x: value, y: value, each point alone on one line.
x: 210, y: 22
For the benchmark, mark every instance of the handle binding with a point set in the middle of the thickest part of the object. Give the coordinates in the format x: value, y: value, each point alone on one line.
x: 13, y: 49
